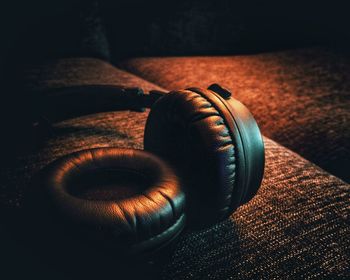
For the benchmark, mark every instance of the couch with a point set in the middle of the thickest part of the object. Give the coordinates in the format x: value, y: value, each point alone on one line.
x: 297, y: 226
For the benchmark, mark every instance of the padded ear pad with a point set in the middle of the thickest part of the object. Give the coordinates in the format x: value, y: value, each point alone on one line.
x: 215, y: 146
x: 145, y: 215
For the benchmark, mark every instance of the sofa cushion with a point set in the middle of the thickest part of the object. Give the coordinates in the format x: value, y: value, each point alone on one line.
x: 300, y: 98
x: 290, y: 229
x: 63, y: 73
x: 69, y: 72
x: 297, y: 225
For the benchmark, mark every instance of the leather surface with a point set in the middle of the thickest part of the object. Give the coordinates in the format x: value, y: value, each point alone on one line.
x: 185, y: 129
x: 249, y: 146
x: 134, y: 223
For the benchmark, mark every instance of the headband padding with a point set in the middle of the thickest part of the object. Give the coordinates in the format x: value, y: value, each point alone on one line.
x: 139, y: 222
x: 189, y: 132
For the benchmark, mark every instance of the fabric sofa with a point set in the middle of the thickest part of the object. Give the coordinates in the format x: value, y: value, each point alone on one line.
x: 299, y: 97
x: 297, y: 226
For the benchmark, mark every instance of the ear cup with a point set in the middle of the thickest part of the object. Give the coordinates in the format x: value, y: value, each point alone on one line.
x: 197, y: 134
x: 141, y: 221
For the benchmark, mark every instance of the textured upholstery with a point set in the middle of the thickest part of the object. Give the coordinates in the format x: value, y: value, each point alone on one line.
x: 72, y: 72
x: 297, y: 225
x: 77, y: 72
x: 300, y: 98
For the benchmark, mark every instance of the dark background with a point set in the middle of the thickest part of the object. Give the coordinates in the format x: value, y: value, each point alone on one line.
x: 33, y: 30
x: 38, y: 30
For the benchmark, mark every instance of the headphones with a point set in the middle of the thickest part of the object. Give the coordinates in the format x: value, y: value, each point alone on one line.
x: 203, y: 157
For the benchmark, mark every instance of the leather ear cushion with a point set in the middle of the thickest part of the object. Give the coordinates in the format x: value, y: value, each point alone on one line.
x: 138, y: 223
x: 188, y: 131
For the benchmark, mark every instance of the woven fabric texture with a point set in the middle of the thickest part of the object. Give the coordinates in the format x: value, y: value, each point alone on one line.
x: 300, y: 98
x: 65, y: 73
x: 69, y: 72
x: 297, y: 226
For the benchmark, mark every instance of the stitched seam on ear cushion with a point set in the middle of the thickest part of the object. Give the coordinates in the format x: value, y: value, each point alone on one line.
x: 175, y: 224
x: 231, y: 160
x: 126, y: 218
x: 133, y: 218
x: 171, y: 203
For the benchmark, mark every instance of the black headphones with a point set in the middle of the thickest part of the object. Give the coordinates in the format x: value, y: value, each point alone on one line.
x: 203, y: 158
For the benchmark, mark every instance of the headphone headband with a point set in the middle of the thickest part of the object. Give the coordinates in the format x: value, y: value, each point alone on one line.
x: 82, y: 100
x: 88, y: 99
